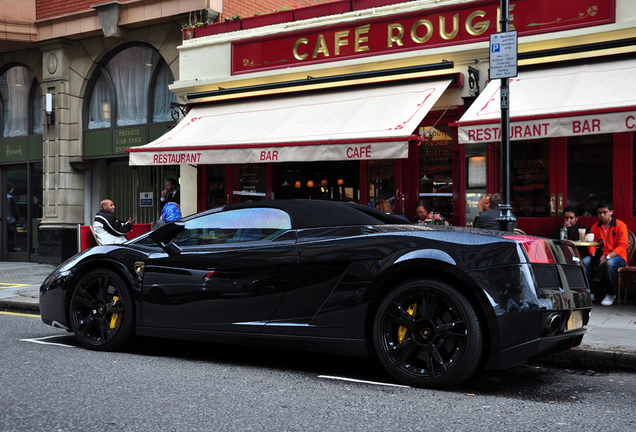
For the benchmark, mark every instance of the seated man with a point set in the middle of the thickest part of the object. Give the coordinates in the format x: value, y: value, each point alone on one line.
x: 612, y: 251
x: 108, y: 229
x: 570, y: 217
x: 488, y: 218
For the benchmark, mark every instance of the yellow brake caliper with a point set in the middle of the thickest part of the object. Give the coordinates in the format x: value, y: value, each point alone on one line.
x: 402, y: 331
x: 114, y: 318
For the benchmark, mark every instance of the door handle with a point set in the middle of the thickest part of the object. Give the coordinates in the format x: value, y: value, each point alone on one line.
x: 284, y: 260
x: 553, y: 209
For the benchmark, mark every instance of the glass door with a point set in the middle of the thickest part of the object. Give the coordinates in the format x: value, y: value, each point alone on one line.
x: 15, y: 214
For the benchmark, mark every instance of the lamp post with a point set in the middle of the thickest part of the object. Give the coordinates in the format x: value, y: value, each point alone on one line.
x: 506, y: 219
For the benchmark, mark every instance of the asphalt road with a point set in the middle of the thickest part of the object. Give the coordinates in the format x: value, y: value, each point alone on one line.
x: 175, y: 386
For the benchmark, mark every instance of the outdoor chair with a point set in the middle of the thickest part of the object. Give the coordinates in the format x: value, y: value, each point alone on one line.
x: 94, y: 236
x: 627, y: 274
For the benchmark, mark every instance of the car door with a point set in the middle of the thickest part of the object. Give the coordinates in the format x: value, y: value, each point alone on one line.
x: 234, y: 268
x: 325, y: 257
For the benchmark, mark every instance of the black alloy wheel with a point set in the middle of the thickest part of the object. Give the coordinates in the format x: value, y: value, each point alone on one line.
x: 426, y: 334
x: 101, y: 311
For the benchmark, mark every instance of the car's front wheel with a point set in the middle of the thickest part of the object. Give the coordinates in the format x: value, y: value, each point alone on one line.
x: 101, y: 311
x: 427, y: 334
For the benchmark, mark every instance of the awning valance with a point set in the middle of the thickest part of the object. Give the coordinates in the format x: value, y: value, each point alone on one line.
x: 566, y: 101
x: 350, y: 124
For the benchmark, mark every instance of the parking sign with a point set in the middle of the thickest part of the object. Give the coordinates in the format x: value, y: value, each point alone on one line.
x: 503, y: 55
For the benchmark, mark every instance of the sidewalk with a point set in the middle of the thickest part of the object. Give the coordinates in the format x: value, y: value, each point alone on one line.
x: 610, y: 343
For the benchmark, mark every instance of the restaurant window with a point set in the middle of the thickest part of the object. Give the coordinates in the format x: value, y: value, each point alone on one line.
x: 476, y: 179
x: 334, y: 181
x: 381, y: 177
x: 215, y: 194
x: 590, y: 168
x: 530, y: 178
x: 249, y: 182
x: 436, y: 168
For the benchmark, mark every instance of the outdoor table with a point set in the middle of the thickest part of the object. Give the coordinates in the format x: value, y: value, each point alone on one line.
x: 584, y: 243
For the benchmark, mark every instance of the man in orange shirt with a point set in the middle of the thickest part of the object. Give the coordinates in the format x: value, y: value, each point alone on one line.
x: 613, y: 233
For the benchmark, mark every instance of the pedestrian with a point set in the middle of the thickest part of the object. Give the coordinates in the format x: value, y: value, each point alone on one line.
x: 13, y: 217
x: 170, y: 193
x: 171, y: 212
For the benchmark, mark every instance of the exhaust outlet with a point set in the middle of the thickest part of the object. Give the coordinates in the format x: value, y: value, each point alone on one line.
x: 552, y: 324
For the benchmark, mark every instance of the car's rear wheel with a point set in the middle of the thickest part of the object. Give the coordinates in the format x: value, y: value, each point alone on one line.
x: 427, y: 334
x: 102, y: 311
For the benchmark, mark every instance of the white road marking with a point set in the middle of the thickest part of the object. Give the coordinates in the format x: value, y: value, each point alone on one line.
x: 361, y: 381
x: 41, y: 341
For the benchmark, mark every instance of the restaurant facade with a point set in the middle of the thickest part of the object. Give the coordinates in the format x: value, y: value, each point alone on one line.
x: 394, y: 103
x: 355, y: 100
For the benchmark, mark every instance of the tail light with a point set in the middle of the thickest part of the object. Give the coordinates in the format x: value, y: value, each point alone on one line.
x: 537, y: 249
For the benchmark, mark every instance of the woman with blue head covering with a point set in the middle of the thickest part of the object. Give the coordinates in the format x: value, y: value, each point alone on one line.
x: 171, y: 212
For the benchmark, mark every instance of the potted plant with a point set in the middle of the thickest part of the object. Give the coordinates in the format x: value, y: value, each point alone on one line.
x: 188, y: 31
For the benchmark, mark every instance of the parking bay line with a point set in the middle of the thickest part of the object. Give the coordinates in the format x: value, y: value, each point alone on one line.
x: 41, y: 341
x: 361, y: 381
x: 19, y: 314
x: 4, y: 285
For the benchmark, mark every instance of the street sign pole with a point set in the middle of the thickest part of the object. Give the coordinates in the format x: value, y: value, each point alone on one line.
x: 503, y: 64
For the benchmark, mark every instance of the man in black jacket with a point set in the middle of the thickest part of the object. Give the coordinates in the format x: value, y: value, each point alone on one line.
x: 108, y: 229
x: 170, y: 193
x: 570, y: 218
x: 488, y: 218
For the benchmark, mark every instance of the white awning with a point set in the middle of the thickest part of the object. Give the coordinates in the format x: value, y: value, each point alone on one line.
x: 567, y: 101
x: 341, y: 124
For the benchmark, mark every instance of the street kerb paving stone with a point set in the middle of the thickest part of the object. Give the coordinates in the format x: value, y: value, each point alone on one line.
x: 24, y: 273
x: 31, y: 275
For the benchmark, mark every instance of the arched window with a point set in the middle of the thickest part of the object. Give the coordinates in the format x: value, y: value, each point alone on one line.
x: 128, y: 105
x: 21, y: 103
x: 130, y: 88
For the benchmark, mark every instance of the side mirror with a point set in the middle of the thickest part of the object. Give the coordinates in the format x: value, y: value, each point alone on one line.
x: 164, y: 235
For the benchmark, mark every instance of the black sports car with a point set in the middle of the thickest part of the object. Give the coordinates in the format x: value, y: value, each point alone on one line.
x: 433, y: 304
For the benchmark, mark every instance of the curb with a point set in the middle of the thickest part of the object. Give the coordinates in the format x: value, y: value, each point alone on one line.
x: 591, y: 357
x: 25, y: 299
x: 20, y: 303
